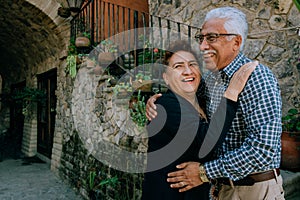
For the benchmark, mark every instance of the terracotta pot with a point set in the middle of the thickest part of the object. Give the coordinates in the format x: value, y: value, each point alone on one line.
x: 145, y: 85
x: 290, y: 152
x: 82, y: 42
x: 106, y: 58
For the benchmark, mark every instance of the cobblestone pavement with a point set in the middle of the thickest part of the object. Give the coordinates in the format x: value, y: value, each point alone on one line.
x: 32, y: 180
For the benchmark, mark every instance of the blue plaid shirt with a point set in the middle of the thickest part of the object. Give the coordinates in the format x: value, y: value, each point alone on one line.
x: 253, y: 142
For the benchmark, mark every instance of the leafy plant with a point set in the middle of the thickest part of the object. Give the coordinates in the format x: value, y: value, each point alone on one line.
x: 291, y: 121
x: 27, y: 96
x: 108, y: 181
x: 122, y: 87
x: 148, y: 53
x: 71, y: 65
x: 85, y: 34
x: 138, y: 110
x: 99, y: 183
x: 141, y: 77
x: 297, y: 4
x: 92, y: 176
x: 72, y: 50
x: 108, y: 46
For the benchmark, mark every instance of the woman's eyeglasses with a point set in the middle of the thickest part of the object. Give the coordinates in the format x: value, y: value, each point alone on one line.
x: 211, y: 37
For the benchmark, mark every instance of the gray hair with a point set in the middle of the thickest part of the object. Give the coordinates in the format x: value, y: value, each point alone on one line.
x: 236, y: 21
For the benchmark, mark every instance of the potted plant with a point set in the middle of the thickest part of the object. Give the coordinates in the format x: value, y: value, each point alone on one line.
x: 142, y: 82
x: 107, y: 50
x: 123, y: 90
x: 290, y: 140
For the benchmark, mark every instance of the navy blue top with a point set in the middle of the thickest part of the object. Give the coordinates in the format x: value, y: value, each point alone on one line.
x: 176, y: 136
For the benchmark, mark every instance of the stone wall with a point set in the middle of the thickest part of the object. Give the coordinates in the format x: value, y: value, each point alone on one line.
x: 271, y: 39
x: 92, y: 132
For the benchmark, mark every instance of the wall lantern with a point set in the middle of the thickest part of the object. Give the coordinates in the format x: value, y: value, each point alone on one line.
x: 74, y: 7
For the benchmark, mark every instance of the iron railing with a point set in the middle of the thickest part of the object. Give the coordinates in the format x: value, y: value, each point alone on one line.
x: 136, y: 33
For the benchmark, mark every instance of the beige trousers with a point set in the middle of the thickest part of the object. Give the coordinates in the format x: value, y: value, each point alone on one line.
x: 266, y: 190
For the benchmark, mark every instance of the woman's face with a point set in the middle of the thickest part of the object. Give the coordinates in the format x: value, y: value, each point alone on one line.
x: 183, y: 74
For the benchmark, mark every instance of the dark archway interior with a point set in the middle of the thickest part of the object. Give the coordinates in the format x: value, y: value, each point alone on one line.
x: 27, y: 37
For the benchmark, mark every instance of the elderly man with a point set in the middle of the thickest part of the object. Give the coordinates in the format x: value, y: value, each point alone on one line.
x: 246, y: 164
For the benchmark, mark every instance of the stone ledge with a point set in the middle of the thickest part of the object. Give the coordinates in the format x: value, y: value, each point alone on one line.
x: 291, y: 182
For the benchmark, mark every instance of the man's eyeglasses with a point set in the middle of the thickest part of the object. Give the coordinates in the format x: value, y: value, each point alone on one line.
x: 211, y: 37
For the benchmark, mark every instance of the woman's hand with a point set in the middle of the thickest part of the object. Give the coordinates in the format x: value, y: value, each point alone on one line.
x: 239, y: 80
x: 151, y: 107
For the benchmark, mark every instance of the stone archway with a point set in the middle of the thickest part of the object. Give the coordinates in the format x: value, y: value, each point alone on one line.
x: 33, y: 40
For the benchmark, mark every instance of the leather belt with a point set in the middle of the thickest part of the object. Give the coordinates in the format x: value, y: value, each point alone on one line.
x: 250, y: 179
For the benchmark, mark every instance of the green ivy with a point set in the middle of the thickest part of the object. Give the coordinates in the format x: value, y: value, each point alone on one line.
x: 29, y: 94
x: 71, y: 65
x: 138, y: 111
x: 291, y: 121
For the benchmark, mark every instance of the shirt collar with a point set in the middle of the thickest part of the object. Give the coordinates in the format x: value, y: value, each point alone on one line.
x: 239, y: 60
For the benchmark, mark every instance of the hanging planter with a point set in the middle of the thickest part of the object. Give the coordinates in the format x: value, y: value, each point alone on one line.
x: 82, y: 41
x: 106, y: 58
x: 107, y: 52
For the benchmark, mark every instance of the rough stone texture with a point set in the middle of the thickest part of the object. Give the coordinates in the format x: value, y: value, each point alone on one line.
x: 270, y: 39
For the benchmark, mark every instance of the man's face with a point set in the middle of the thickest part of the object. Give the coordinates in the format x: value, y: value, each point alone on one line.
x: 217, y: 54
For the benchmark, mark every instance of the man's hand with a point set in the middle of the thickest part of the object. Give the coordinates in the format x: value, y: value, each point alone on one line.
x: 186, y: 178
x: 151, y: 107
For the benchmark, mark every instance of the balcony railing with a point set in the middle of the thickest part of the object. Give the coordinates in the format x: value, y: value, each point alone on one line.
x: 134, y: 32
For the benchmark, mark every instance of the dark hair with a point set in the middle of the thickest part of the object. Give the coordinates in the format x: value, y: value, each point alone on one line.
x: 178, y: 45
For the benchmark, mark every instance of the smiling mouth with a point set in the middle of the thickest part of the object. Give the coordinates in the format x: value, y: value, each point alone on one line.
x: 188, y: 80
x: 208, y: 54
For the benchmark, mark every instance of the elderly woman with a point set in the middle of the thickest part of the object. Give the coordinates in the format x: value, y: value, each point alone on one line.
x: 177, y: 133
